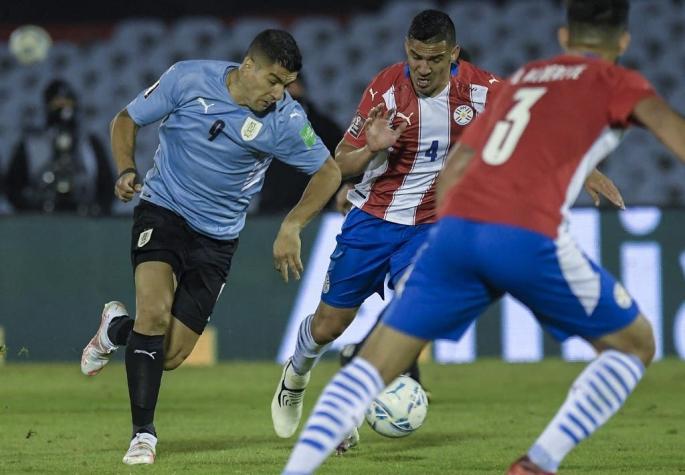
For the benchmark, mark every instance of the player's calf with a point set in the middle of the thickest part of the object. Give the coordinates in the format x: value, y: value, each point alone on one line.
x: 330, y: 322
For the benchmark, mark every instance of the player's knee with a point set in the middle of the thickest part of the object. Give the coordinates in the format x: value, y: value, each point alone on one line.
x: 153, y: 316
x: 640, y: 341
x: 645, y: 347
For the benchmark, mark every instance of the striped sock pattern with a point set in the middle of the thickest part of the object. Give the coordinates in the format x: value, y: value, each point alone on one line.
x: 307, y: 351
x: 340, y: 408
x: 596, y: 395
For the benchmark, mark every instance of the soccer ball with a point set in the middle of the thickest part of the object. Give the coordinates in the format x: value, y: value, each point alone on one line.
x: 30, y: 44
x: 399, y: 409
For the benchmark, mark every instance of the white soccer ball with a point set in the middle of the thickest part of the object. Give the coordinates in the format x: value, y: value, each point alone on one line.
x: 30, y: 44
x: 399, y: 409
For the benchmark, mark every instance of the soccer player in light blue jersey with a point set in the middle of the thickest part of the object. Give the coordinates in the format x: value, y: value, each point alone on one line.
x: 222, y: 125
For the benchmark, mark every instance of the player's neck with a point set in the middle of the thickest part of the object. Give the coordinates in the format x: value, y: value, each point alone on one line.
x: 235, y: 87
x: 591, y: 52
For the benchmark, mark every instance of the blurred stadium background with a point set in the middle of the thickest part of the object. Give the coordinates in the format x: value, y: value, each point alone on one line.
x: 57, y: 270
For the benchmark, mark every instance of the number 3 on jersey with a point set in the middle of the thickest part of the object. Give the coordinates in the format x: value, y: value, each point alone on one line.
x: 507, y: 133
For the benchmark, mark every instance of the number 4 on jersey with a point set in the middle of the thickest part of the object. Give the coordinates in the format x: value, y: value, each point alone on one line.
x: 432, y: 151
x: 507, y: 133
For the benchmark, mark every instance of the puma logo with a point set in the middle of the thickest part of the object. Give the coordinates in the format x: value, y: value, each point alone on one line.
x: 407, y: 118
x: 143, y: 352
x: 373, y: 93
x: 295, y: 114
x: 204, y: 104
x: 493, y: 80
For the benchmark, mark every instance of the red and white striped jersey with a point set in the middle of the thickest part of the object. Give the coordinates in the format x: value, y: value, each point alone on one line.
x: 399, y: 184
x: 551, y: 124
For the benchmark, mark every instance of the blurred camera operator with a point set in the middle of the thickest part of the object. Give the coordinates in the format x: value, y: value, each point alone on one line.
x: 59, y: 167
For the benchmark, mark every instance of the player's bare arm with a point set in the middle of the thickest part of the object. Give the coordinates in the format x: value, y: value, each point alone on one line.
x: 597, y: 183
x: 123, y: 134
x: 457, y: 160
x: 379, y: 136
x: 664, y: 122
x: 286, y: 249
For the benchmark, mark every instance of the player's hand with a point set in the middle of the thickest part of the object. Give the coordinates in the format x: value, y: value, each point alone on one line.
x: 598, y: 184
x: 379, y: 135
x: 287, y: 252
x: 342, y: 204
x: 126, y: 187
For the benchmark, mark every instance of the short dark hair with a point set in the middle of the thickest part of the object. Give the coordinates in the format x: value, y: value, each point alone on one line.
x: 595, y: 21
x: 432, y: 26
x: 278, y: 46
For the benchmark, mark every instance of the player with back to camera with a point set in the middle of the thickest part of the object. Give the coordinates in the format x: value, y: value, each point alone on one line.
x: 429, y: 100
x: 222, y: 123
x: 552, y: 123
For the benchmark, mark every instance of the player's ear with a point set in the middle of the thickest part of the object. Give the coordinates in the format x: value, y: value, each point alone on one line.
x: 563, y: 36
x: 623, y: 42
x: 455, y: 54
x: 247, y: 64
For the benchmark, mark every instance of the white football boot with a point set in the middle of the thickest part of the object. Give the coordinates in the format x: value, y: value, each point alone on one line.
x: 142, y: 450
x: 99, y: 349
x: 286, y: 406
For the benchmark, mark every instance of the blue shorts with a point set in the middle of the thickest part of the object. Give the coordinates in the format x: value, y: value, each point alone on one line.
x: 368, y: 249
x: 465, y: 265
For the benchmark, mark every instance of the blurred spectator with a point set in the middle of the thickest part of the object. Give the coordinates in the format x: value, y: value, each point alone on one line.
x: 59, y: 167
x: 276, y: 196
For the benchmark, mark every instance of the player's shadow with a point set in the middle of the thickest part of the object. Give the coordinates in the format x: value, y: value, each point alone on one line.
x: 197, y: 444
x: 419, y: 441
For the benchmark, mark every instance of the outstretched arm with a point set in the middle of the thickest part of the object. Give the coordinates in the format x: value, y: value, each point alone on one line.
x: 123, y: 131
x: 287, y: 245
x: 668, y: 125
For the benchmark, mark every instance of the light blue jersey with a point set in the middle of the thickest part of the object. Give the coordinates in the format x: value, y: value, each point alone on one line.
x: 213, y: 153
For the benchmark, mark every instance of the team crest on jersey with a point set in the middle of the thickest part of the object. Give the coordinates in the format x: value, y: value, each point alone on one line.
x: 463, y: 114
x: 356, y: 126
x: 144, y: 237
x: 621, y: 296
x: 250, y: 129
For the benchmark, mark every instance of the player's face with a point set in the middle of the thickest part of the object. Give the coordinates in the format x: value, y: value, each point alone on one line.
x: 266, y: 83
x: 429, y: 65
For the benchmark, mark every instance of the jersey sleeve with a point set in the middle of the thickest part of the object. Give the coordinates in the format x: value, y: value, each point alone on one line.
x: 354, y: 135
x: 298, y: 145
x: 158, y: 100
x: 629, y: 88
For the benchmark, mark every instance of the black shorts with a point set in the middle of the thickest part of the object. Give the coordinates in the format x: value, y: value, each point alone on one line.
x: 201, y: 263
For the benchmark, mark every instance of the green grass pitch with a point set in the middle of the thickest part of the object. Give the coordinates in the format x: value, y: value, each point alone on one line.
x: 216, y: 420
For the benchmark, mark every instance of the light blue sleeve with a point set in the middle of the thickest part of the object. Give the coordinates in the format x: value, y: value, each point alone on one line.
x: 298, y: 145
x: 158, y: 100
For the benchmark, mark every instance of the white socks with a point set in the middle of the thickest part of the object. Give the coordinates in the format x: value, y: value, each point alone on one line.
x: 307, y: 351
x: 596, y: 395
x: 340, y: 408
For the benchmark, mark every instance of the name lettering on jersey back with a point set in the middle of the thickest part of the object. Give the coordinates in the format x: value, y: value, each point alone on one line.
x: 553, y: 72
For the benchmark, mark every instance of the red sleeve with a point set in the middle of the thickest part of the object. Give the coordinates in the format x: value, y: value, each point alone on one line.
x: 628, y: 88
x: 372, y: 96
